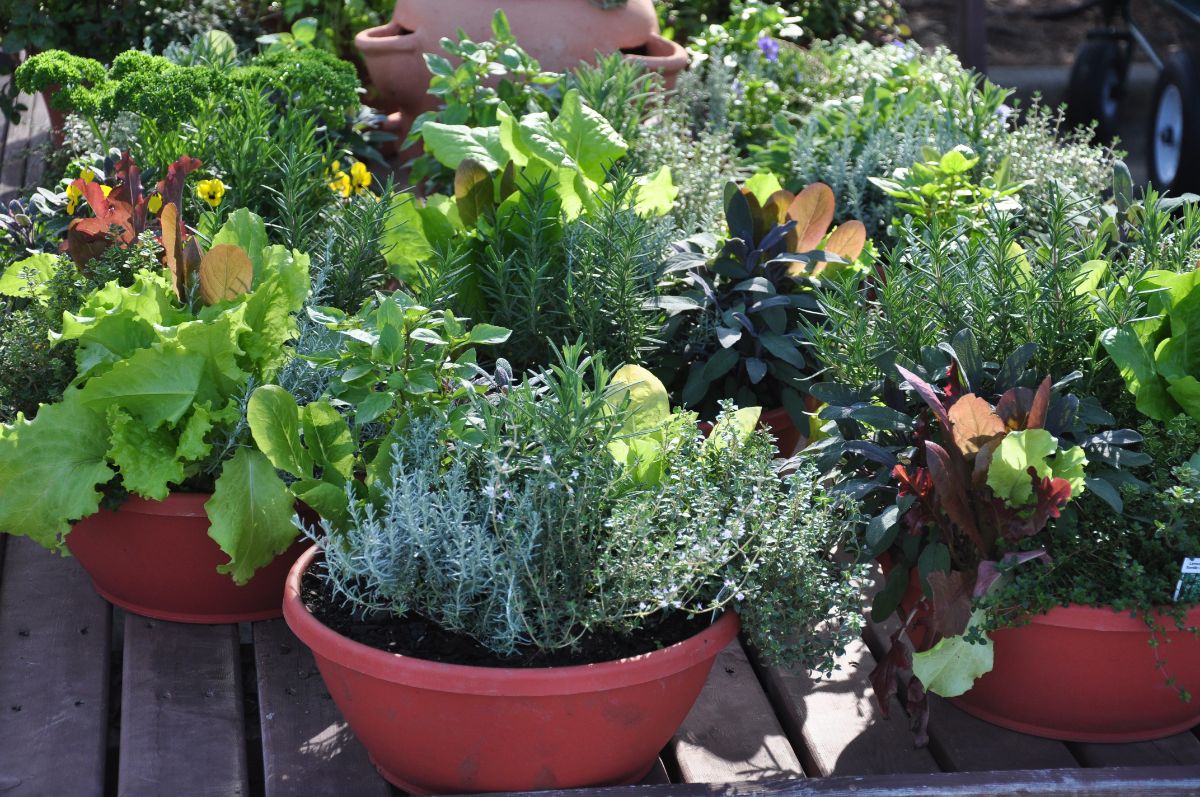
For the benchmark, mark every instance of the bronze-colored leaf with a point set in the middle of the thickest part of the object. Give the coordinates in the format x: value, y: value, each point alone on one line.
x: 847, y: 242
x: 172, y: 248
x: 225, y: 273
x: 974, y: 423
x: 776, y: 206
x: 192, y: 257
x: 812, y: 210
x: 952, y: 603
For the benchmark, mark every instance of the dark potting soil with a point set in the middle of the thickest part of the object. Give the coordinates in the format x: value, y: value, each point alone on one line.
x: 419, y: 637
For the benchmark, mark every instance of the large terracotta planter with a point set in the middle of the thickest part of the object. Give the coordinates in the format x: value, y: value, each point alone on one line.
x: 1082, y: 674
x: 559, y: 33
x: 156, y: 559
x: 446, y: 728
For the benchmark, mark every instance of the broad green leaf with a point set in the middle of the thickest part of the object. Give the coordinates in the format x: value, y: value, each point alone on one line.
x: 649, y: 402
x: 155, y: 385
x: 405, y: 243
x: 1186, y: 392
x: 27, y: 278
x: 1069, y: 464
x: 147, y: 459
x: 50, y: 468
x: 247, y: 231
x: 217, y: 342
x: 450, y: 145
x: 291, y: 269
x: 271, y: 325
x: 951, y: 667
x: 656, y: 194
x: 193, y: 443
x: 587, y: 137
x: 251, y: 514
x: 959, y: 160
x: 274, y: 421
x: 326, y: 499
x: 488, y: 334
x: 328, y: 439
x: 763, y: 186
x: 1135, y: 360
x: 1091, y: 274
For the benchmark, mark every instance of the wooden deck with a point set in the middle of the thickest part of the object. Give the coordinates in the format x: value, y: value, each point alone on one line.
x: 22, y: 147
x: 94, y: 701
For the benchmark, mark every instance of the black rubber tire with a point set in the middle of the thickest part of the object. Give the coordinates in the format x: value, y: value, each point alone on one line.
x: 1096, y: 87
x: 1182, y: 71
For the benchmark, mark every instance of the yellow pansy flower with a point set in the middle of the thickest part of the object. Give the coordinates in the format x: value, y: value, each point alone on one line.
x: 154, y: 203
x: 340, y: 184
x: 73, y: 197
x: 87, y: 175
x: 360, y: 177
x: 106, y: 189
x: 211, y: 191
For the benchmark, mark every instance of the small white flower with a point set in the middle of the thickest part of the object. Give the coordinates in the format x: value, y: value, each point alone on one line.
x: 546, y: 459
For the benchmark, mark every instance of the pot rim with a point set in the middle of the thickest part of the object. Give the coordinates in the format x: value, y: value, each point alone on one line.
x: 398, y: 668
x: 176, y: 504
x: 1102, y: 618
x: 384, y: 39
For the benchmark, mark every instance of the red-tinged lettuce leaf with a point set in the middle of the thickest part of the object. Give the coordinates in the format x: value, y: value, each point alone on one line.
x: 989, y: 569
x: 170, y: 188
x: 928, y: 395
x: 1022, y: 408
x: 951, y: 490
x: 129, y: 191
x: 951, y: 602
x: 1051, y: 494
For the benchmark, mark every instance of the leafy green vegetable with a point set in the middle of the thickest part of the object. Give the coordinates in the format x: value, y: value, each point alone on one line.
x: 159, y: 383
x: 951, y: 667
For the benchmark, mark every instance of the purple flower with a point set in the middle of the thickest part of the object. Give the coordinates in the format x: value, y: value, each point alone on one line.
x: 769, y: 47
x: 1004, y: 111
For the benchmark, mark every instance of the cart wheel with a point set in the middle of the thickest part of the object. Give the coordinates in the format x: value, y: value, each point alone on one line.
x: 1175, y: 126
x: 1097, y: 83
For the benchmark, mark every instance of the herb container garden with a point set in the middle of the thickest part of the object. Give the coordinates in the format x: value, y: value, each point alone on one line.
x: 446, y: 728
x: 558, y: 34
x: 1089, y: 674
x: 155, y: 558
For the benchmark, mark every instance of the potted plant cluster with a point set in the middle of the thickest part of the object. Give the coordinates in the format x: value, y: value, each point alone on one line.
x: 897, y: 327
x: 567, y: 557
x: 141, y: 469
x: 1002, y: 502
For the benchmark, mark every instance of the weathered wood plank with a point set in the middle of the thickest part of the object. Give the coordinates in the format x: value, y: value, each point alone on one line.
x: 836, y: 725
x: 307, y: 746
x: 39, y: 141
x: 12, y: 168
x: 181, y: 711
x: 731, y: 733
x: 962, y: 743
x: 1130, y: 782
x: 54, y: 631
x: 1182, y: 748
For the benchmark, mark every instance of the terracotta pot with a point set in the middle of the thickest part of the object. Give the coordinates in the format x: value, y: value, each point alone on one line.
x: 156, y: 559
x: 1083, y: 674
x: 559, y: 33
x: 447, y: 728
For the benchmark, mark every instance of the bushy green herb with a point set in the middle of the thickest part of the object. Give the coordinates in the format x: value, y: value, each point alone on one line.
x: 536, y: 534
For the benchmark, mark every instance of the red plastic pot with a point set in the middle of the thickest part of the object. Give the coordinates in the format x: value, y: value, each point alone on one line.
x: 1083, y: 674
x: 448, y: 728
x: 155, y: 558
